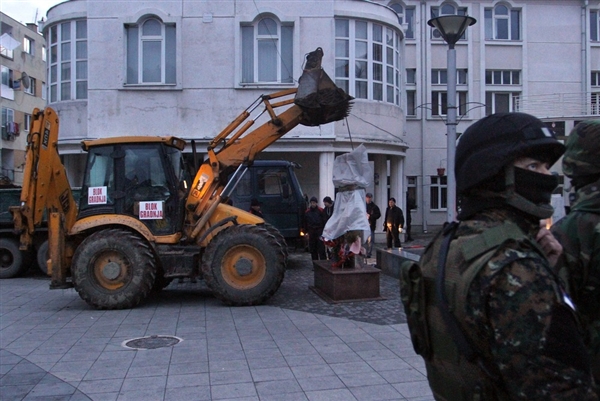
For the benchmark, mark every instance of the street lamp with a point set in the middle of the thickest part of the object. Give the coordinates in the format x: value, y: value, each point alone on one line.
x: 451, y: 28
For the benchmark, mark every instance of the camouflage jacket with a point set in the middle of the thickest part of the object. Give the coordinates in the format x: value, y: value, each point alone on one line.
x: 515, y: 316
x: 579, y: 234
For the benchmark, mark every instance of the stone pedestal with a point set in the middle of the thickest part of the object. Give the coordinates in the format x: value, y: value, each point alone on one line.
x: 350, y: 284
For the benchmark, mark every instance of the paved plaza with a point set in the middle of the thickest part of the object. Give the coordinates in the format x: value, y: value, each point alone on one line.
x: 53, y: 346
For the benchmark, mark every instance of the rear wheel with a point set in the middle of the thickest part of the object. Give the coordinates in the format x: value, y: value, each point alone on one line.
x: 243, y: 265
x: 113, y: 269
x: 43, y: 256
x: 12, y: 260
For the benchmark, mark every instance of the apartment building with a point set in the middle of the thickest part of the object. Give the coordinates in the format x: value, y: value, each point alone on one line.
x: 23, y: 62
x: 187, y: 68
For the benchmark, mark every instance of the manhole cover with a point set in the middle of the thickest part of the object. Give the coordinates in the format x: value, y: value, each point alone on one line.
x: 152, y: 342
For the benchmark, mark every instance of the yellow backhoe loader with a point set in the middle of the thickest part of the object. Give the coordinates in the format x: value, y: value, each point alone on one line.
x: 141, y: 222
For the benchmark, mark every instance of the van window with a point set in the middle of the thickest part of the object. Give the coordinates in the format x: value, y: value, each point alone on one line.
x: 269, y: 182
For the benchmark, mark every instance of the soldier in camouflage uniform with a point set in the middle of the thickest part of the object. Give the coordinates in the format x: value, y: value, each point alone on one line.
x: 579, y: 232
x: 483, y: 306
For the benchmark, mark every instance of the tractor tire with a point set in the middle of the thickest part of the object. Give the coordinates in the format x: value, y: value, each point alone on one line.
x: 279, y: 237
x: 43, y: 256
x: 113, y: 269
x: 12, y: 260
x: 243, y: 265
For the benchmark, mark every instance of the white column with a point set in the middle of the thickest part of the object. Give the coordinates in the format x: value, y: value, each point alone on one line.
x: 326, y: 187
x: 380, y: 194
x: 397, y: 180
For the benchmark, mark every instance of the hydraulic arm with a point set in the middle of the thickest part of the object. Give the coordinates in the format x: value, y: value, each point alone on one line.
x: 317, y: 101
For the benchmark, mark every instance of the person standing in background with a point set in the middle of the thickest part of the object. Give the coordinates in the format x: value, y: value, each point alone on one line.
x: 328, y: 209
x: 579, y: 232
x: 394, y: 220
x: 314, y: 222
x: 373, y: 214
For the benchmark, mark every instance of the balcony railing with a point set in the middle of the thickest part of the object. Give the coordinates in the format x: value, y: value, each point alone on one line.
x: 557, y: 105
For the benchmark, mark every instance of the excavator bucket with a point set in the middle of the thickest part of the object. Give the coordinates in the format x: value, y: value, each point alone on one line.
x: 319, y: 98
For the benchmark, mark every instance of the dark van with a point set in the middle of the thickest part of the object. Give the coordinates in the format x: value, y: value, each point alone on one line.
x: 274, y: 184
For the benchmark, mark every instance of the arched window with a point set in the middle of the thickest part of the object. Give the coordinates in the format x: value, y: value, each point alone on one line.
x: 267, y: 51
x: 406, y: 15
x: 151, y: 52
x: 446, y: 9
x: 502, y: 23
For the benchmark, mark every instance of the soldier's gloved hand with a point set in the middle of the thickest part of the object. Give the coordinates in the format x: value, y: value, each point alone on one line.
x: 549, y: 244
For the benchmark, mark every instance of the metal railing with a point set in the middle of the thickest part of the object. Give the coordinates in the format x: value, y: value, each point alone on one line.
x: 557, y: 105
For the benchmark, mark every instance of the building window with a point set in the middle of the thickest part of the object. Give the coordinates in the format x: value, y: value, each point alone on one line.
x: 502, y: 23
x: 151, y: 52
x: 7, y: 76
x: 499, y: 102
x: 28, y: 45
x: 44, y: 54
x: 27, y: 122
x: 67, y: 69
x: 440, y: 77
x: 438, y: 192
x: 367, y: 60
x: 595, y: 103
x: 267, y: 51
x: 31, y: 89
x: 6, y: 29
x: 411, y: 194
x: 411, y: 92
x: 439, y: 103
x: 406, y: 15
x: 44, y: 89
x: 594, y: 26
x: 8, y: 119
x: 446, y: 9
x: 503, y: 77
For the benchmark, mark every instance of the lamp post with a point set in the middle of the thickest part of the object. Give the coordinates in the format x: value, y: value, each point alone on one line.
x: 451, y: 28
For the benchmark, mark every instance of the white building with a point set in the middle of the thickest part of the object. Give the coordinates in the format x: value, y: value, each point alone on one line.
x: 187, y: 68
x: 23, y: 61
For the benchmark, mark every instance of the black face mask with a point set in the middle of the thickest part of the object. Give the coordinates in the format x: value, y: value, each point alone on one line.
x: 535, y: 187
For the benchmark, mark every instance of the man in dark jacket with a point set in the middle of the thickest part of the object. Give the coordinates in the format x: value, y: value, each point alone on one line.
x: 394, y: 220
x: 328, y: 209
x: 373, y: 214
x: 314, y: 222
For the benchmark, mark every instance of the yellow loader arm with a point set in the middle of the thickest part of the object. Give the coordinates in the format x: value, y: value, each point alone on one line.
x: 317, y: 101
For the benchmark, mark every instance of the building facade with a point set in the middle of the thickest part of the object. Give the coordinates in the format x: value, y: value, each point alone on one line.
x: 23, y: 63
x: 187, y: 68
x: 540, y: 57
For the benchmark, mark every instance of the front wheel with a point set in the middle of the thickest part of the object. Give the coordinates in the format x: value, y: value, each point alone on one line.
x: 243, y: 265
x: 113, y: 269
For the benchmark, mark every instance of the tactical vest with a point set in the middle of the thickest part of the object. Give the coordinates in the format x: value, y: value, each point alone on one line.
x: 453, y: 373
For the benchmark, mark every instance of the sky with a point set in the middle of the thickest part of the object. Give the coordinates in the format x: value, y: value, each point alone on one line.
x: 25, y: 10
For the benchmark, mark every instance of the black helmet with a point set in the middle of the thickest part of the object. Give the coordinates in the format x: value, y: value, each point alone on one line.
x: 485, y: 156
x: 495, y: 141
x: 582, y: 157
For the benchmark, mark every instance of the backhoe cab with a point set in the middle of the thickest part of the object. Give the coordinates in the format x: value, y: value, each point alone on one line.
x: 142, y: 221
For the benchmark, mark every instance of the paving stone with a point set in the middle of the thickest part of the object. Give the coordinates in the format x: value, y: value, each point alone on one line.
x: 295, y: 347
